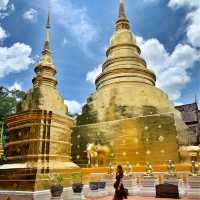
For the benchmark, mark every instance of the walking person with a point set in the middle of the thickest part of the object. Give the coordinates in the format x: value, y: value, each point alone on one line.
x: 120, y: 191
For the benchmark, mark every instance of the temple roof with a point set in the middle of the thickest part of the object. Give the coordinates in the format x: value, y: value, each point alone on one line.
x: 189, y: 112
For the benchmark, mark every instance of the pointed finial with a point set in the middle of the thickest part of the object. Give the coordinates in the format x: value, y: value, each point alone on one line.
x: 49, y: 20
x: 47, y: 34
x: 122, y: 22
x: 122, y: 9
x: 47, y: 77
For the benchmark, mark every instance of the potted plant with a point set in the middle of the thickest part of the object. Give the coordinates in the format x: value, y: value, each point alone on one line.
x: 101, y: 184
x: 77, y: 185
x: 94, y: 185
x: 57, y: 186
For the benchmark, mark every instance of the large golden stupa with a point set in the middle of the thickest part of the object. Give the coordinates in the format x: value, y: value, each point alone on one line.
x: 127, y: 119
x: 39, y: 134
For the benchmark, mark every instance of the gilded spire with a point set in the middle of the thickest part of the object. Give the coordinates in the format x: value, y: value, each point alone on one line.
x: 46, y: 53
x: 45, y: 70
x: 122, y: 10
x: 47, y: 35
x: 122, y: 22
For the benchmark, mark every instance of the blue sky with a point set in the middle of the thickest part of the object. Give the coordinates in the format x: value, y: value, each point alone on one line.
x: 167, y: 32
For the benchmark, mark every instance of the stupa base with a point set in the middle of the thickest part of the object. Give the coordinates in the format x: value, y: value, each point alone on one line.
x: 147, y: 187
x: 172, y: 180
x: 131, y: 184
x: 18, y: 177
x: 24, y: 195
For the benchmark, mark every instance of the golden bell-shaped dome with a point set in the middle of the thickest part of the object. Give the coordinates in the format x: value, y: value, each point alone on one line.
x: 123, y: 37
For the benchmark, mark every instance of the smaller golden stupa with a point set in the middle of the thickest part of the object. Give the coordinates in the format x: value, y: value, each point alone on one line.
x: 39, y: 134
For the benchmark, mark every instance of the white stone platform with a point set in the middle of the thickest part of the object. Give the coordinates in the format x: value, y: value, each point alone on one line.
x: 69, y: 194
x: 76, y: 197
x: 22, y: 195
x: 131, y: 184
x: 193, y: 189
x: 147, y: 186
x: 144, y: 187
x: 96, y: 193
x: 56, y: 198
x: 40, y: 195
x: 110, y: 186
x: 172, y: 180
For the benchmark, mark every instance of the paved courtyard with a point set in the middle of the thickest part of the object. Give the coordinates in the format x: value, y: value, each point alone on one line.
x: 137, y: 198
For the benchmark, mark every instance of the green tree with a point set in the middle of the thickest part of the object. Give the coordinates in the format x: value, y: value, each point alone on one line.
x: 8, y: 101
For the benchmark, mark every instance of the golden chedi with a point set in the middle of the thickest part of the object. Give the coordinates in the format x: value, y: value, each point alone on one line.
x: 39, y: 134
x: 128, y: 114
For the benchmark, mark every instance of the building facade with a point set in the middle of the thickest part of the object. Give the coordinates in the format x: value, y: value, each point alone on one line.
x: 191, y: 116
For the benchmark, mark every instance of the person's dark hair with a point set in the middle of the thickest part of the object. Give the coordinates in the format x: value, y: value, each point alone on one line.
x: 119, y: 173
x: 119, y: 168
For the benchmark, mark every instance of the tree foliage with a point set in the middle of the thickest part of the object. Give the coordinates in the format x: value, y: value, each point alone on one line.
x: 8, y: 101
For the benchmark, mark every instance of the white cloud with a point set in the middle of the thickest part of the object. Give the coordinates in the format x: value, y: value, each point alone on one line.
x: 76, y: 21
x: 15, y: 86
x: 73, y: 106
x: 3, y: 34
x: 65, y: 41
x: 171, y: 69
x: 31, y: 15
x: 193, y: 27
x: 183, y: 57
x: 15, y: 58
x: 5, y: 8
x: 178, y: 103
x: 4, y: 4
x: 180, y: 3
x: 92, y: 75
x: 12, y: 7
x: 192, y: 17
